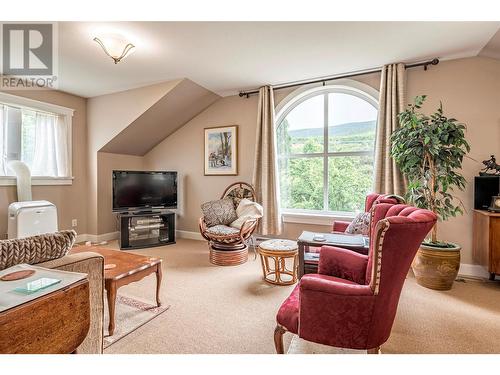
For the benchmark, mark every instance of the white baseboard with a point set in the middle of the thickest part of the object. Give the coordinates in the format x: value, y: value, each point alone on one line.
x: 114, y: 236
x: 473, y: 270
x: 96, y: 238
x: 189, y: 235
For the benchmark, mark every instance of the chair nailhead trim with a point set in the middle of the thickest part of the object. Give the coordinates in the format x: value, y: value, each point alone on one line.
x: 379, y: 258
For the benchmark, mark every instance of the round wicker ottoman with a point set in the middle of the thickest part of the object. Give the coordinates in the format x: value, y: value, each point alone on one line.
x: 274, y: 255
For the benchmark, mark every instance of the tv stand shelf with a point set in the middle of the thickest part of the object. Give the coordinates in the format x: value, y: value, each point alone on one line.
x: 140, y: 229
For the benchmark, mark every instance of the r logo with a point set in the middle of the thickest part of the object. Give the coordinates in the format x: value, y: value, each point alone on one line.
x: 27, y: 49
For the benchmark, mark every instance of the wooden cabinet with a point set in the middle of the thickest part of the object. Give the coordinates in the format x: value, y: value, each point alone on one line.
x: 486, y: 241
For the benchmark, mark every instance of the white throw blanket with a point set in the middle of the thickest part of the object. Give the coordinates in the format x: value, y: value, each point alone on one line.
x: 247, y: 210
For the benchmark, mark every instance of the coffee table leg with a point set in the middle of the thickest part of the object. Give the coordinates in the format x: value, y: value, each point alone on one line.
x: 111, y: 293
x: 158, y: 283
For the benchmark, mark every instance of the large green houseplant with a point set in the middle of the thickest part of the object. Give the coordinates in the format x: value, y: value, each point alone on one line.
x: 429, y: 150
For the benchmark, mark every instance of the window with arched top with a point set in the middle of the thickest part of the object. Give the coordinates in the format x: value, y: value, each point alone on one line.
x: 325, y: 145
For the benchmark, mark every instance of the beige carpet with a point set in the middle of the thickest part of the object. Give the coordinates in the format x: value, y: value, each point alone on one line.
x: 231, y: 310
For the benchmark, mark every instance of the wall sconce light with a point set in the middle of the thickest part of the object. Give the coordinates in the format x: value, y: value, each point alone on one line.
x: 115, y: 46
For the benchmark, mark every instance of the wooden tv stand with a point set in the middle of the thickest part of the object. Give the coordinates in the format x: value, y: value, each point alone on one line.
x: 140, y: 229
x: 486, y: 241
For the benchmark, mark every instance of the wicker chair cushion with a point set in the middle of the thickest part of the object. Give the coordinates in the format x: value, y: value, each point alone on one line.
x: 220, y: 212
x: 239, y: 193
x: 222, y: 230
x: 36, y: 249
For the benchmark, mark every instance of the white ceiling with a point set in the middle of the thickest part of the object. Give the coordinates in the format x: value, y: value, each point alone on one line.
x: 226, y: 57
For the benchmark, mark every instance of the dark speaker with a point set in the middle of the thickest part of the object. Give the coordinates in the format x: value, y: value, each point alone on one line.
x: 484, y: 188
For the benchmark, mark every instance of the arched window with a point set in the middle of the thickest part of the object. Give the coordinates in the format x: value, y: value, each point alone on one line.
x: 325, y: 145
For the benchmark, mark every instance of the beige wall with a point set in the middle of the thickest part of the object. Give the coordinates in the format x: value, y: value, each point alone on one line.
x: 108, y: 115
x: 70, y: 200
x: 183, y: 151
x: 468, y: 88
x: 470, y: 92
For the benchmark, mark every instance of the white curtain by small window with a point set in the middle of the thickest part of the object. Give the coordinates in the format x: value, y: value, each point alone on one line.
x: 51, y: 146
x: 3, y: 165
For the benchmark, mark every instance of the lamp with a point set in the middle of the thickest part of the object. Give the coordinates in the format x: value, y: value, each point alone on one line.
x: 115, y: 46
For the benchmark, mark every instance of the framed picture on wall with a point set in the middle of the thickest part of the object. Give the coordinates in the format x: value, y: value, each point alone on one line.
x: 221, y: 151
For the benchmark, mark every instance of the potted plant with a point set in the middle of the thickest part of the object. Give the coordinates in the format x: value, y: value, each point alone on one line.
x: 429, y: 150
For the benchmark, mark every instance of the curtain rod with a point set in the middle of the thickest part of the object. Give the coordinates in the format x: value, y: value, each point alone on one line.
x: 425, y: 64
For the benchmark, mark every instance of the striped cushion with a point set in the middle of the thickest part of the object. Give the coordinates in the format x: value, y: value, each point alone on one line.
x: 36, y: 249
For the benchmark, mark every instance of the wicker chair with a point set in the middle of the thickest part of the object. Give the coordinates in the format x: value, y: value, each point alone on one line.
x: 231, y: 248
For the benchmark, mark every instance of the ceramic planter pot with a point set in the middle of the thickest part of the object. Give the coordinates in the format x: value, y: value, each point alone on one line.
x: 435, y: 267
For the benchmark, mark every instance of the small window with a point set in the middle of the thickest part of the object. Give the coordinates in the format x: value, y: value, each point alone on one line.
x: 325, y: 146
x: 41, y: 139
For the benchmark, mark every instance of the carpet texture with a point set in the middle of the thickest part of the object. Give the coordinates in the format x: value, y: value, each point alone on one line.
x: 130, y: 314
x: 231, y: 310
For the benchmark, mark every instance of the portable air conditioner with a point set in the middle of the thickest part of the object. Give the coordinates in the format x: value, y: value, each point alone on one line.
x: 31, y: 218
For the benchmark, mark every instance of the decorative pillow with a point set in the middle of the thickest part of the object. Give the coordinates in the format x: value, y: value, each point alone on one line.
x: 239, y: 193
x: 219, y: 212
x: 36, y: 249
x: 246, y: 210
x: 360, y: 224
x: 223, y: 230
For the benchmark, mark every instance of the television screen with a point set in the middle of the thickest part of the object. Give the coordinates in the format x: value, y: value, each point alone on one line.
x: 139, y: 190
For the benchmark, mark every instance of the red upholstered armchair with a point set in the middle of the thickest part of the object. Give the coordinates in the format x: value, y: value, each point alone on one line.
x: 341, y: 226
x: 352, y: 301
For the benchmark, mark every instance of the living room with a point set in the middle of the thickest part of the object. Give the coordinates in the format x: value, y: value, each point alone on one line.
x: 193, y: 186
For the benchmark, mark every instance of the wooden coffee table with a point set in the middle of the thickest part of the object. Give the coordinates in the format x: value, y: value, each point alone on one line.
x: 122, y: 268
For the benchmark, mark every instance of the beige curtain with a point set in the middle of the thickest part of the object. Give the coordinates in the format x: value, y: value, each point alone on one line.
x: 388, y: 177
x: 265, y: 166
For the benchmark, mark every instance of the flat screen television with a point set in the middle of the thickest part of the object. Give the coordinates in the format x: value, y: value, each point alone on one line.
x: 143, y: 190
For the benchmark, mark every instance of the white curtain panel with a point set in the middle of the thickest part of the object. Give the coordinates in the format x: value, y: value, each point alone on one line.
x: 265, y: 176
x: 3, y: 161
x: 62, y: 147
x: 51, y: 146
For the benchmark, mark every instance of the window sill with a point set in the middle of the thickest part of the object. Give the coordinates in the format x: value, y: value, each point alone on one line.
x: 316, y: 218
x: 38, y: 181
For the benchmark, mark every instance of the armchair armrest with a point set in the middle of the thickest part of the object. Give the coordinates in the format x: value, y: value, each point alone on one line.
x: 334, y: 313
x: 340, y: 226
x: 327, y: 284
x: 343, y: 263
x: 247, y: 228
x: 203, y: 227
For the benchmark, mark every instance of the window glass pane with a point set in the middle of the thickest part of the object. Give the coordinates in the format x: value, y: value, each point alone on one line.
x: 350, y: 178
x: 351, y: 123
x: 301, y: 132
x: 301, y: 181
x: 39, y: 139
x: 28, y: 137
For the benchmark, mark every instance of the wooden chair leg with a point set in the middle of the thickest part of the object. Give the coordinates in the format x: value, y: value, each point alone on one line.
x: 374, y: 350
x: 278, y: 339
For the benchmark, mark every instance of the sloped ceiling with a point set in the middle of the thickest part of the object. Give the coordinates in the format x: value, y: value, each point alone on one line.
x: 492, y: 48
x: 172, y: 111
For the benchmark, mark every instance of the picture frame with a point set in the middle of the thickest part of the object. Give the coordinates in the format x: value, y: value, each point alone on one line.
x: 221, y: 151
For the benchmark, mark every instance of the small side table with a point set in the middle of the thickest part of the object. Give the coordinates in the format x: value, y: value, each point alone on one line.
x: 279, y: 251
x: 55, y: 323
